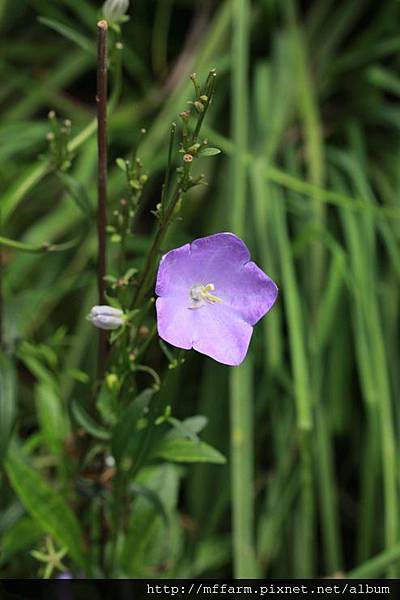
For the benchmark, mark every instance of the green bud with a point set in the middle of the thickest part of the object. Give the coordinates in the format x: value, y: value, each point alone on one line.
x: 193, y: 149
x: 112, y: 381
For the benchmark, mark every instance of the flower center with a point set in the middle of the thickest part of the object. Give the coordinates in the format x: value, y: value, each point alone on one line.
x: 200, y: 295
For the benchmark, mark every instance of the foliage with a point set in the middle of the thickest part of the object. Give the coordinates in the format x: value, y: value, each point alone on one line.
x: 120, y: 475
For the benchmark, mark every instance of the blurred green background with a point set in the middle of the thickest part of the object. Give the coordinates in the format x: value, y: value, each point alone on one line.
x: 307, y: 117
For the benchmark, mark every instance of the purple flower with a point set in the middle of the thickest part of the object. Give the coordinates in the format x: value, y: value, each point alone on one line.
x: 210, y: 296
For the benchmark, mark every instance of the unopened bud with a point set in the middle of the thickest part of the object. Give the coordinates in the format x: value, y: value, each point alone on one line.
x: 112, y: 381
x: 185, y: 114
x: 144, y: 331
x: 106, y: 317
x: 114, y: 10
x: 193, y: 149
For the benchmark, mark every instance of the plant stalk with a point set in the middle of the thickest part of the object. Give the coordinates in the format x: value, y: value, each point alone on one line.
x: 101, y: 100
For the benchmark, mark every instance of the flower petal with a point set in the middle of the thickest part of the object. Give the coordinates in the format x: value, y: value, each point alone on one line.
x: 217, y: 257
x: 174, y: 321
x: 252, y: 294
x: 175, y: 273
x: 219, y: 330
x: 224, y: 260
x: 221, y: 334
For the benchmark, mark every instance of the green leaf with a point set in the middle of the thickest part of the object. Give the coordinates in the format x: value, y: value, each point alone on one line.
x: 85, y: 420
x: 69, y: 33
x: 7, y: 401
x: 149, y: 542
x: 189, y: 428
x: 121, y: 164
x: 209, y: 152
x: 125, y: 438
x: 46, y: 506
x: 17, y: 137
x: 152, y: 496
x: 107, y: 405
x: 77, y: 192
x: 20, y: 537
x: 54, y: 422
x: 184, y: 450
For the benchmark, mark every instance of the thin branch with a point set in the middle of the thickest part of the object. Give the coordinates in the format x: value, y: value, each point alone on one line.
x: 1, y: 288
x: 101, y: 100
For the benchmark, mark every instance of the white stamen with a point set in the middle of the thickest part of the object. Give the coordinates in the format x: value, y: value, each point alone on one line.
x: 201, y: 295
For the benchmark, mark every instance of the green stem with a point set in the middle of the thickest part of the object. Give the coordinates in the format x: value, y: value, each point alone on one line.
x: 241, y: 394
x: 316, y: 192
x: 376, y: 566
x: 152, y: 256
x: 165, y: 187
x: 167, y: 213
x: 37, y: 248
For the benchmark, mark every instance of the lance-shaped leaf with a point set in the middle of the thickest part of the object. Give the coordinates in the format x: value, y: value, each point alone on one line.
x: 7, y: 401
x: 186, y: 450
x: 46, y: 505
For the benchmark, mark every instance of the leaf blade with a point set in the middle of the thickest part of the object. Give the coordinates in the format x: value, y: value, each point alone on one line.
x: 186, y: 450
x: 45, y: 505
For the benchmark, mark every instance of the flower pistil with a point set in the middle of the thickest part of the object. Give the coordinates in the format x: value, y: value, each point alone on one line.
x: 201, y: 295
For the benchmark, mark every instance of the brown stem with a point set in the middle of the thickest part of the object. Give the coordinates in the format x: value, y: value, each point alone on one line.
x: 101, y: 100
x: 1, y: 290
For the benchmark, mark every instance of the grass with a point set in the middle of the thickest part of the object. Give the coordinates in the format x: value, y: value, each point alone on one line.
x: 306, y: 115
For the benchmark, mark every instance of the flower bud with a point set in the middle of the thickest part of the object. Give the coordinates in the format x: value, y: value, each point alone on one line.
x: 112, y: 381
x: 106, y: 317
x: 114, y: 10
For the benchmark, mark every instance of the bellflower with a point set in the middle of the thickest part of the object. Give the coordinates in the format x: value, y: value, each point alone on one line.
x: 106, y: 317
x: 210, y: 296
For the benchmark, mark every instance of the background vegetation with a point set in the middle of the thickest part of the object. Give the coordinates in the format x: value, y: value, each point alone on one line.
x: 307, y: 117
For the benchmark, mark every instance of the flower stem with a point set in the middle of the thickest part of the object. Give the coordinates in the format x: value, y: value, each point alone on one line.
x: 101, y: 100
x: 183, y: 184
x: 165, y: 188
x: 155, y: 248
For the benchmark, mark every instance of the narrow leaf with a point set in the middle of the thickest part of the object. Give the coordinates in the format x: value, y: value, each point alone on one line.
x: 184, y: 450
x: 7, y: 401
x: 52, y: 417
x: 210, y: 152
x: 77, y: 192
x: 68, y: 33
x: 46, y: 506
x: 125, y: 436
x: 140, y: 490
x: 85, y: 420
